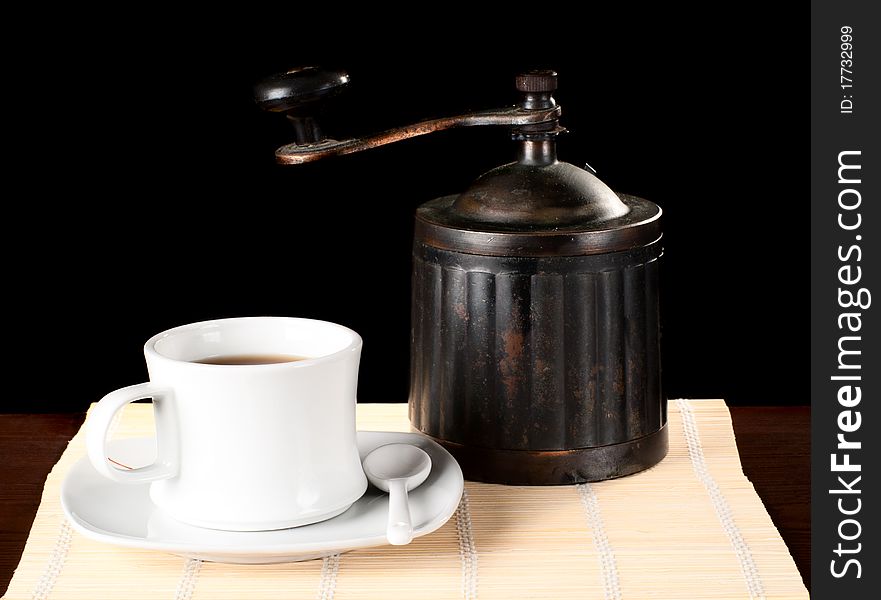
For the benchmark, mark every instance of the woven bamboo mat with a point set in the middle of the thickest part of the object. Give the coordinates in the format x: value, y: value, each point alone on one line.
x: 691, y: 527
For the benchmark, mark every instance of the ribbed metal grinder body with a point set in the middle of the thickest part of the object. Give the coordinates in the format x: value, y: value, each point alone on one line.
x: 532, y: 367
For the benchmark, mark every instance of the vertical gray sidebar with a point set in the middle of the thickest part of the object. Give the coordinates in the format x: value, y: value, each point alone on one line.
x: 845, y: 299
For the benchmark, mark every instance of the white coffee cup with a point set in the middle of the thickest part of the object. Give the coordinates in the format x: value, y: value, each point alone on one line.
x: 246, y: 447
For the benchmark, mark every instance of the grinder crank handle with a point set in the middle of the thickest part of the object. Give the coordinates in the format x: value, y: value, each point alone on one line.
x: 301, y: 89
x: 299, y: 93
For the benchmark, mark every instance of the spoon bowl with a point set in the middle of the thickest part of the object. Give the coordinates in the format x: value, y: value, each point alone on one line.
x: 397, y: 469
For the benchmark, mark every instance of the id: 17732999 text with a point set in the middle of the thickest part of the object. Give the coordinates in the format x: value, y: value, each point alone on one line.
x: 846, y: 79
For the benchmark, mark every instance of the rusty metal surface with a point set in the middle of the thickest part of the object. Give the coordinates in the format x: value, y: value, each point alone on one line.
x: 552, y: 195
x: 562, y: 467
x: 293, y: 154
x: 538, y: 354
x: 439, y: 226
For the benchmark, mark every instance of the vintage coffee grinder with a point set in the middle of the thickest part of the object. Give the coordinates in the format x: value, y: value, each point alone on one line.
x: 535, y: 337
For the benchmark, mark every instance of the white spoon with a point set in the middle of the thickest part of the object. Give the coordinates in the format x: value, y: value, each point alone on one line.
x: 397, y: 469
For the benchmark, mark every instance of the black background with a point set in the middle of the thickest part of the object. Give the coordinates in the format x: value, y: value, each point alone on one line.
x: 146, y: 193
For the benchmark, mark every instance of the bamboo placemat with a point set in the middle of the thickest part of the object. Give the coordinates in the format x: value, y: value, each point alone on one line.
x: 691, y: 527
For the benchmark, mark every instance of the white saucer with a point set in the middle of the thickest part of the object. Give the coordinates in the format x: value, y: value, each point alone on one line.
x: 123, y: 515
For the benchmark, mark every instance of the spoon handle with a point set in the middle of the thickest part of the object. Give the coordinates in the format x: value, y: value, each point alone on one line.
x: 400, y: 529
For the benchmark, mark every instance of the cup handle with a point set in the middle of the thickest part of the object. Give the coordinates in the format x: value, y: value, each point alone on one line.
x: 166, y: 463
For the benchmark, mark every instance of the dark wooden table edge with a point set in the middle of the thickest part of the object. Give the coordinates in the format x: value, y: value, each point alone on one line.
x: 773, y: 442
x: 775, y: 453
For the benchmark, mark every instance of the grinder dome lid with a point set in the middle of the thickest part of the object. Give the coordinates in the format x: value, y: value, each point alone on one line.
x: 538, y: 206
x: 526, y: 193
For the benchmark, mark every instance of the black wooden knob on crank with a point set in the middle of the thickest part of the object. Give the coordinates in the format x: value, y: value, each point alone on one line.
x: 298, y: 92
